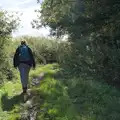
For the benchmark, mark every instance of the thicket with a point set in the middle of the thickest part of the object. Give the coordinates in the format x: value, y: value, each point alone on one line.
x: 7, y: 25
x: 45, y: 50
x: 93, y: 29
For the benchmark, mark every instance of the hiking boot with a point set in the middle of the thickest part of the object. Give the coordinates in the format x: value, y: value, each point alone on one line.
x: 25, y: 90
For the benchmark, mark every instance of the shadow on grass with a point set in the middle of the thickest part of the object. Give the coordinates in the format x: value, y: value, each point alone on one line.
x: 8, y: 103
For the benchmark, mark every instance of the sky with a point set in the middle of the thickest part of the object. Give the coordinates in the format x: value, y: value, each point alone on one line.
x: 26, y: 7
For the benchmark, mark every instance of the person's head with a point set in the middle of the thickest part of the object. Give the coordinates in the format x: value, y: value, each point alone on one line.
x: 23, y: 42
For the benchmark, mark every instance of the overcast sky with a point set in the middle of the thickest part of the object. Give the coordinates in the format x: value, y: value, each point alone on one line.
x: 26, y: 7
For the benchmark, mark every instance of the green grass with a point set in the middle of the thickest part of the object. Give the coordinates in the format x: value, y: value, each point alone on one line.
x: 10, y: 100
x: 94, y: 100
x: 79, y: 100
x: 10, y: 94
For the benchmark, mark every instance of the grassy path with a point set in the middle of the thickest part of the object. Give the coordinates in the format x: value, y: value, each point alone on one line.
x: 47, y: 98
x: 50, y: 99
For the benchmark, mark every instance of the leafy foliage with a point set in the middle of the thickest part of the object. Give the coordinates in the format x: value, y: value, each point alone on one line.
x: 93, y: 29
x: 7, y: 24
x: 46, y: 50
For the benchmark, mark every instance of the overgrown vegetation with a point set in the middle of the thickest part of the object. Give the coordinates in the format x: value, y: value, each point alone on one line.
x: 93, y: 29
x: 46, y: 50
x: 76, y: 86
x: 79, y: 100
x: 7, y: 25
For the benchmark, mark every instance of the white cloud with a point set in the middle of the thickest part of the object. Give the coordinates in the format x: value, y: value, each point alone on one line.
x: 26, y: 29
x: 24, y: 2
x: 26, y: 7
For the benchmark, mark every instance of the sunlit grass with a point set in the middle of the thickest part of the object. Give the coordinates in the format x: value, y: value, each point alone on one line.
x: 11, y: 90
x: 79, y: 100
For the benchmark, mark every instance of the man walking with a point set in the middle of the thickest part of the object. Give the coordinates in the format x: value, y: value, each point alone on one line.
x: 24, y: 60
